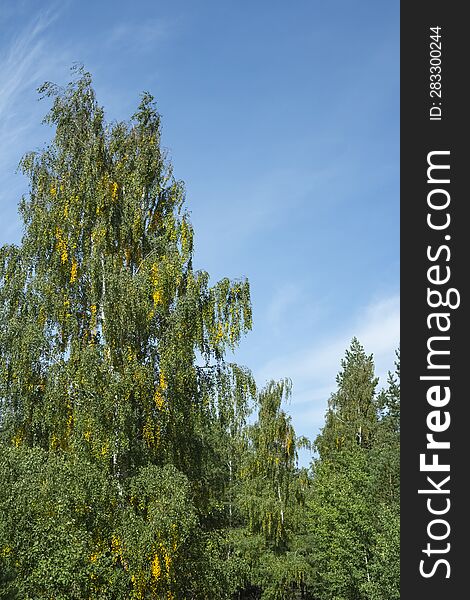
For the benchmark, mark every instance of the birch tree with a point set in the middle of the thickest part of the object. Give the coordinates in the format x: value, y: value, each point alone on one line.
x: 113, y: 346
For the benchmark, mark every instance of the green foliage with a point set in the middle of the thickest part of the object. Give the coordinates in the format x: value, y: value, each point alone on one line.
x: 353, y: 506
x: 115, y: 312
x: 52, y: 513
x: 351, y: 419
x: 342, y: 529
x: 129, y: 465
x: 268, y: 467
x: 107, y: 325
x: 384, y: 583
x: 271, y: 494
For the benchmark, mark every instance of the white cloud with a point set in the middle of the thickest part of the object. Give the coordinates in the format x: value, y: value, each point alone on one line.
x: 313, y: 370
x: 380, y: 332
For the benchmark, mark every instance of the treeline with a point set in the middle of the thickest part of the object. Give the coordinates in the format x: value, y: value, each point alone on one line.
x: 135, y: 461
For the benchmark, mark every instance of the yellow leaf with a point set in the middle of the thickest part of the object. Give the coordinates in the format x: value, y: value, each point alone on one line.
x: 156, y: 569
x: 73, y: 271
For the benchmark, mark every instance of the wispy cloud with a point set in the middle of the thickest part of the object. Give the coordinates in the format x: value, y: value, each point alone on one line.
x: 26, y: 60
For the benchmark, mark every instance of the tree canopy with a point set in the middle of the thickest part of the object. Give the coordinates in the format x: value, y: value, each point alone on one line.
x: 136, y: 461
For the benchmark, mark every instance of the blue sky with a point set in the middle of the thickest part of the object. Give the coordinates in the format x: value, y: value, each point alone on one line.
x: 283, y: 121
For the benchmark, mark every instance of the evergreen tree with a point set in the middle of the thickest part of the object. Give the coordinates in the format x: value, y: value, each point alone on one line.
x: 351, y: 419
x: 353, y: 504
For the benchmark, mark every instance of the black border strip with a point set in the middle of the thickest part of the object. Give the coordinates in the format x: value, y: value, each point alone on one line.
x: 421, y: 135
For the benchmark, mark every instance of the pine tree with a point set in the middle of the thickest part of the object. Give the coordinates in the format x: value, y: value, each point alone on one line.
x: 352, y: 415
x: 352, y: 507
